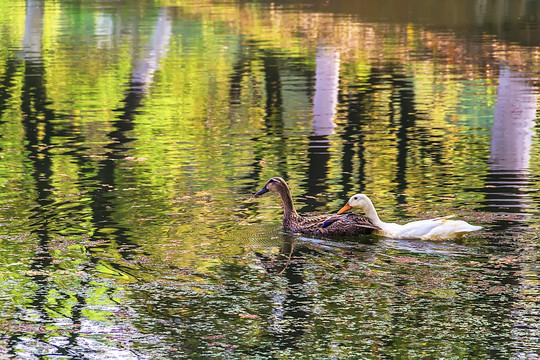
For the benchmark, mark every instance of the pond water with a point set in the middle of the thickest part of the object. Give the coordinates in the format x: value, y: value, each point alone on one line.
x: 134, y: 134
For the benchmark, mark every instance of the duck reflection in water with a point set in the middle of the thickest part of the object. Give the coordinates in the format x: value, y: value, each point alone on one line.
x: 291, y: 303
x: 276, y: 264
x: 292, y: 299
x: 289, y: 310
x: 336, y: 225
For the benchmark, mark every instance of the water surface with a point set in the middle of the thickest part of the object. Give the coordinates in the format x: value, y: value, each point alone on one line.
x: 133, y: 135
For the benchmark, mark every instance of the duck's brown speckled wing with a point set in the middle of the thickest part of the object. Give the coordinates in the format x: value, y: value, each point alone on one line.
x: 308, y: 224
x: 335, y: 225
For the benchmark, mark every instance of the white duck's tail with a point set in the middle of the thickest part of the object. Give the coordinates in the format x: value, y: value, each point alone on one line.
x: 451, y: 229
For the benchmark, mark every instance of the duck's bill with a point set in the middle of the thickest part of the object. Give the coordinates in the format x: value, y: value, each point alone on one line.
x: 345, y: 208
x: 264, y: 190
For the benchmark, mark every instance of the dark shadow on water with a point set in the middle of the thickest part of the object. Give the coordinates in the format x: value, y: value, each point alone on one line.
x: 37, y: 123
x: 274, y: 141
x: 407, y: 119
x: 353, y: 139
x: 7, y: 85
x: 318, y: 159
x: 292, y: 311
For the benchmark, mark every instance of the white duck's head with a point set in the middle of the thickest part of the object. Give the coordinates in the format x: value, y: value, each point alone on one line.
x: 358, y: 201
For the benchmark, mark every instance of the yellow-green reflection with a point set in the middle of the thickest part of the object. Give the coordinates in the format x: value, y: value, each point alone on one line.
x: 132, y: 138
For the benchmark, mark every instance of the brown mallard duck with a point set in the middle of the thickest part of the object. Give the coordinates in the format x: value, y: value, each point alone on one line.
x: 335, y: 225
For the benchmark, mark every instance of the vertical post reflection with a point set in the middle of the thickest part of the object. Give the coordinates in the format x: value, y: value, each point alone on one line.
x: 511, y: 139
x: 33, y: 28
x: 325, y: 102
x: 146, y: 66
x: 515, y: 112
x: 325, y: 99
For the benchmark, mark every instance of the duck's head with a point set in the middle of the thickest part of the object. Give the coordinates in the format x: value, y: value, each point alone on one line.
x: 274, y: 184
x: 358, y: 201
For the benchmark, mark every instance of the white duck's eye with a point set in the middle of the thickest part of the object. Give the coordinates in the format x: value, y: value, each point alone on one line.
x: 355, y: 198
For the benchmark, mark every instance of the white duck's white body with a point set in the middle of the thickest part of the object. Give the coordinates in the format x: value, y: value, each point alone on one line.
x: 432, y: 229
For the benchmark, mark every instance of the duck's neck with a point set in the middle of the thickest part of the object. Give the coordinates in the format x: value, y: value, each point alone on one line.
x: 372, y: 214
x: 289, y: 211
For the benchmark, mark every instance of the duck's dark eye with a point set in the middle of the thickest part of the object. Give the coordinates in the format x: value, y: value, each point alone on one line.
x: 355, y: 198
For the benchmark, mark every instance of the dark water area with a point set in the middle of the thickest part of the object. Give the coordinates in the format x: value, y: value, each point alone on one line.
x: 133, y: 136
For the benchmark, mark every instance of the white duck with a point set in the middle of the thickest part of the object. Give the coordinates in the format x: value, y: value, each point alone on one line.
x: 438, y: 228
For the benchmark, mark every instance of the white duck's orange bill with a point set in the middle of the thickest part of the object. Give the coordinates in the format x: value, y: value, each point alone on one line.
x: 345, y: 208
